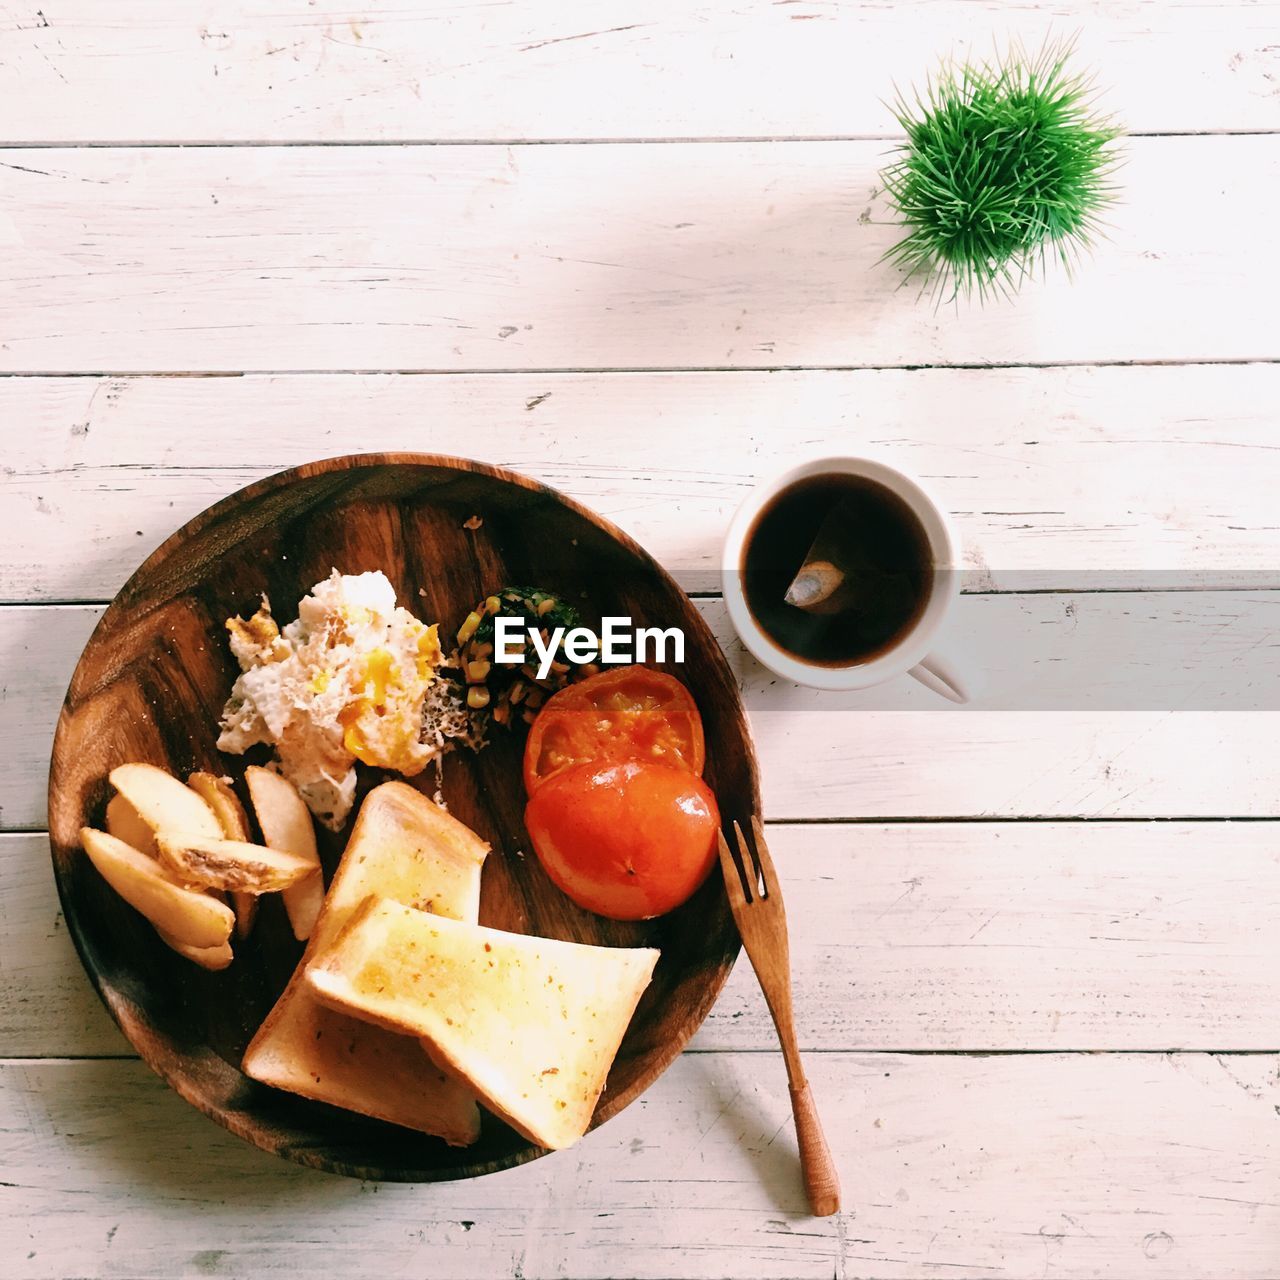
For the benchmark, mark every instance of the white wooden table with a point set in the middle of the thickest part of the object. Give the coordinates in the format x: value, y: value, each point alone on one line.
x: 632, y: 249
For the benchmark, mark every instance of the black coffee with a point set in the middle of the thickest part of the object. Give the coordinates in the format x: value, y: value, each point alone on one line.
x: 868, y: 569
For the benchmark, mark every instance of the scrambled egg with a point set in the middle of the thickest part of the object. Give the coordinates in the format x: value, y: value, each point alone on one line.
x: 345, y: 682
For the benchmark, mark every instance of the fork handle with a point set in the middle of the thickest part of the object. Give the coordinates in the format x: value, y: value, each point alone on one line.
x: 821, y: 1182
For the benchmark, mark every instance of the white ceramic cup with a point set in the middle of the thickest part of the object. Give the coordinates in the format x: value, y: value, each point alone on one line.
x: 912, y: 651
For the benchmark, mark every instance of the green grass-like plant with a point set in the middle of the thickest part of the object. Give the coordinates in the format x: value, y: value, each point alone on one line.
x: 1004, y: 163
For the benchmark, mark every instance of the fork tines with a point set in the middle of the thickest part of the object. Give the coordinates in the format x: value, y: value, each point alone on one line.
x: 752, y: 867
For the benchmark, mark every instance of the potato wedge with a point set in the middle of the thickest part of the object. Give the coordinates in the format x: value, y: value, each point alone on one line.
x: 124, y: 822
x: 214, y: 958
x: 164, y: 803
x: 217, y: 793
x: 230, y: 864
x: 245, y: 905
x: 195, y: 919
x: 286, y: 825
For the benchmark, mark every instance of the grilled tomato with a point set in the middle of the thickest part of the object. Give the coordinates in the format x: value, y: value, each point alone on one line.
x: 628, y: 840
x: 624, y: 713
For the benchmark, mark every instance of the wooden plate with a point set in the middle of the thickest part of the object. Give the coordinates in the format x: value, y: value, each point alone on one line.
x: 151, y: 683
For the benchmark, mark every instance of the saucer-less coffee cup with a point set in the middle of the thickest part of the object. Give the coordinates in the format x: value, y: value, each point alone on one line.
x: 884, y: 515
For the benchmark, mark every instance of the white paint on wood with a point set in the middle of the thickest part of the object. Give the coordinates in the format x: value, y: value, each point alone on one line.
x: 582, y: 69
x: 47, y: 1004
x: 32, y: 640
x: 1107, y: 476
x: 935, y: 936
x: 900, y: 751
x: 1014, y: 936
x: 624, y: 256
x: 973, y: 1167
x: 931, y: 935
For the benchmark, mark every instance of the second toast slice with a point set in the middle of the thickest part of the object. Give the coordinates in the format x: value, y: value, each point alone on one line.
x: 531, y: 1025
x: 405, y: 847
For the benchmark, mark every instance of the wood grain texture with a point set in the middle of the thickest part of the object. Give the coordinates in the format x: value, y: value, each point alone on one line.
x: 636, y: 256
x: 1116, y: 1166
x: 959, y: 936
x: 324, y: 72
x: 151, y: 684
x: 915, y: 936
x: 1056, y: 477
x: 1086, y: 706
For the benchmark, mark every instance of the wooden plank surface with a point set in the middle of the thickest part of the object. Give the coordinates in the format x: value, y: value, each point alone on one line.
x: 1057, y: 477
x: 753, y: 249
x: 935, y: 936
x: 1012, y: 1167
x: 635, y: 256
x: 306, y: 70
x: 1038, y: 742
x: 47, y: 1005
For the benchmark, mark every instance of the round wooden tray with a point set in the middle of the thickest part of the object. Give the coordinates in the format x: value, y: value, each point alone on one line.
x: 151, y: 683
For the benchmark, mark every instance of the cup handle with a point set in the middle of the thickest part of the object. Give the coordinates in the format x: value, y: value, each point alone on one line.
x: 938, y: 674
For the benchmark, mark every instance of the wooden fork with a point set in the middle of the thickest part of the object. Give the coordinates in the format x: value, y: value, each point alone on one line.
x: 756, y: 899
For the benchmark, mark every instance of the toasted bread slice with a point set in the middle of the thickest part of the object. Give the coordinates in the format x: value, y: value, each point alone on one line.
x: 531, y: 1024
x: 406, y: 847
